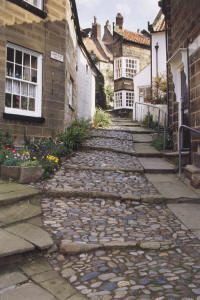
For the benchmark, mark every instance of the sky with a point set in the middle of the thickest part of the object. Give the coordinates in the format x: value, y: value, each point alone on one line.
x: 136, y: 13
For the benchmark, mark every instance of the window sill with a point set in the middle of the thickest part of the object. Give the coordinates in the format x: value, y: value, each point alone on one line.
x: 36, y: 11
x: 37, y: 120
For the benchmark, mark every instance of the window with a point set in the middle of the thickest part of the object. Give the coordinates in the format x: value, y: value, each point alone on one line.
x: 36, y: 3
x: 123, y: 99
x: 126, y: 67
x: 34, y: 6
x: 131, y: 67
x: 129, y: 99
x: 118, y: 99
x: 23, y: 81
x: 71, y: 92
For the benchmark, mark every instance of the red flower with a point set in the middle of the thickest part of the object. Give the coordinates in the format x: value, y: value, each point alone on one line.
x: 15, y: 137
x: 13, y: 151
x: 7, y: 148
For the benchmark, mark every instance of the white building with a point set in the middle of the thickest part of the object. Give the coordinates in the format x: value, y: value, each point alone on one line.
x: 86, y: 75
x: 144, y: 80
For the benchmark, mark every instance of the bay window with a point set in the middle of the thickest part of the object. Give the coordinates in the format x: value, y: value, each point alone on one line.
x: 36, y: 3
x: 123, y: 99
x: 125, y: 67
x: 23, y: 91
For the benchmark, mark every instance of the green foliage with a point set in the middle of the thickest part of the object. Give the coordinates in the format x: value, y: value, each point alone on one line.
x: 109, y: 92
x: 74, y: 136
x: 158, y: 142
x: 101, y: 119
x: 6, y: 139
x: 149, y: 122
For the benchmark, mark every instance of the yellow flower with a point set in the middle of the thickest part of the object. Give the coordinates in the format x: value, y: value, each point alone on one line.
x: 34, y: 157
x: 27, y: 153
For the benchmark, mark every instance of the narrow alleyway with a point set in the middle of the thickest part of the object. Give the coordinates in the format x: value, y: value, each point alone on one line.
x: 116, y: 238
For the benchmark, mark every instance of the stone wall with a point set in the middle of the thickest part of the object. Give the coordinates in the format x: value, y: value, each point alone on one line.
x: 55, y: 33
x: 123, y: 84
x: 183, y: 31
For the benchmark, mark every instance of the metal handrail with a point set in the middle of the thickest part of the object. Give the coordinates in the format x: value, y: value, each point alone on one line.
x: 159, y: 111
x: 180, y: 135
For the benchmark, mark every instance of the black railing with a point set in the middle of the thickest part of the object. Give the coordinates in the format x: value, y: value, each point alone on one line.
x: 159, y: 123
x: 180, y: 136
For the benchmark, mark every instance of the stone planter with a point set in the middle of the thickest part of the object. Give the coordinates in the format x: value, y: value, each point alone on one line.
x: 22, y: 174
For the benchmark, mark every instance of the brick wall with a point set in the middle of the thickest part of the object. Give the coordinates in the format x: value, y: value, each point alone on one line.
x: 55, y: 33
x: 183, y: 28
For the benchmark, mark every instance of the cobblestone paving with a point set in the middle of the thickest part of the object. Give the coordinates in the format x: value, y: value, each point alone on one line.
x: 110, y: 143
x: 110, y: 160
x: 98, y: 221
x: 114, y: 182
x: 128, y: 274
x: 112, y: 134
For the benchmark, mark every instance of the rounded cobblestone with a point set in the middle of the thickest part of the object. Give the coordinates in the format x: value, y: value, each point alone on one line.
x: 110, y: 143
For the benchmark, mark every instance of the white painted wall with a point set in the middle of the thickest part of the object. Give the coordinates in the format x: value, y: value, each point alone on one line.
x: 159, y: 38
x: 142, y: 79
x: 85, y: 87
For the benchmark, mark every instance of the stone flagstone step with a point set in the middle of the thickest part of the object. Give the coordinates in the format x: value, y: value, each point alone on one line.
x: 142, y: 138
x: 156, y: 165
x: 13, y: 192
x: 33, y: 234
x: 173, y: 189
x: 18, y: 212
x: 12, y: 245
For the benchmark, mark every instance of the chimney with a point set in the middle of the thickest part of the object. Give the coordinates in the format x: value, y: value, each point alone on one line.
x: 96, y: 29
x: 119, y: 21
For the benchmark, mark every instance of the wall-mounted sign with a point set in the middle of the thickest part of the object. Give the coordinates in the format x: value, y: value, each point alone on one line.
x: 57, y: 56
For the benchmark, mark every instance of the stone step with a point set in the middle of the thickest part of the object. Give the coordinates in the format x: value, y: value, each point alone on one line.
x: 145, y: 148
x: 12, y: 245
x: 156, y: 165
x: 12, y: 192
x: 173, y: 189
x: 142, y: 138
x: 33, y: 234
x: 19, y: 212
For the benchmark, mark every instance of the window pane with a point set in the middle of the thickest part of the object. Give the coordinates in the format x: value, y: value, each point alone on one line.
x: 33, y: 75
x: 10, y: 54
x: 10, y: 70
x: 8, y: 100
x: 32, y: 104
x: 8, y: 86
x: 31, y: 91
x: 26, y: 60
x: 18, y: 72
x: 24, y: 102
x: 16, y: 101
x: 34, y: 62
x: 24, y: 89
x: 16, y: 87
x: 26, y: 74
x: 18, y: 58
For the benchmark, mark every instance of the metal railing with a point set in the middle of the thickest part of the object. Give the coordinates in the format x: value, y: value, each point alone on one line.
x: 159, y: 115
x: 180, y: 136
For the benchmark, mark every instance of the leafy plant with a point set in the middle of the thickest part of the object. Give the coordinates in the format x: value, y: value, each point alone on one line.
x: 101, y: 119
x: 158, y: 142
x: 109, y: 92
x: 149, y: 122
x: 159, y: 90
x: 6, y: 139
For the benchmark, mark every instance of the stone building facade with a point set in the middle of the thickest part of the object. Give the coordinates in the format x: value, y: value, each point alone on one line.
x: 38, y: 66
x: 183, y: 30
x: 131, y: 53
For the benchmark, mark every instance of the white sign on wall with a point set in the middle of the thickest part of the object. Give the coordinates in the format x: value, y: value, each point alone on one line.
x: 57, y: 56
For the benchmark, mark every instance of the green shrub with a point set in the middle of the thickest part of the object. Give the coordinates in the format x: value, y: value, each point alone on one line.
x: 101, y: 119
x: 149, y: 122
x: 158, y: 142
x: 6, y: 140
x: 74, y: 136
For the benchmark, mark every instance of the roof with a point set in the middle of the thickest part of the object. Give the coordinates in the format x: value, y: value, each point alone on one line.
x: 159, y: 23
x: 91, y: 46
x: 134, y: 37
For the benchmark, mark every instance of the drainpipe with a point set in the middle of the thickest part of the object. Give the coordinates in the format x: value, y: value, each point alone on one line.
x: 189, y: 106
x: 157, y: 47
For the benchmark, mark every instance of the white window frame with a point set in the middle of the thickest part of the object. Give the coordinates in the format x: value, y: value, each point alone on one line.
x: 39, y: 3
x: 123, y: 99
x: 126, y: 67
x: 71, y: 83
x: 38, y: 84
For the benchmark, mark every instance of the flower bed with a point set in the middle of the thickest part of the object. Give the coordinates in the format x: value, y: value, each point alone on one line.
x: 41, y: 159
